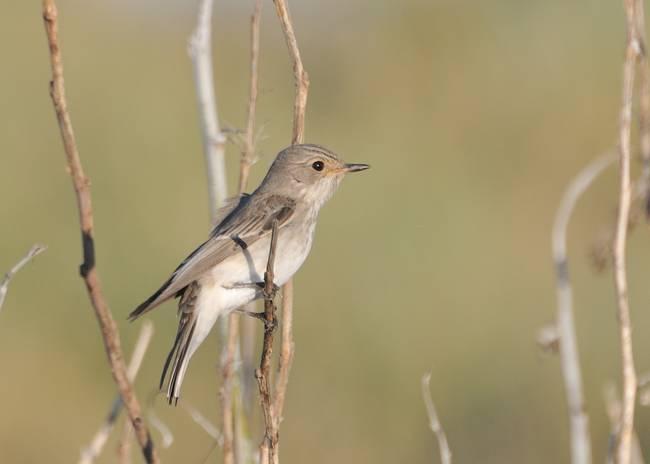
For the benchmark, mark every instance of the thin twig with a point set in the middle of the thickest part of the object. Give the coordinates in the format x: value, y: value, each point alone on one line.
x: 301, y: 80
x: 268, y: 448
x: 434, y: 422
x: 644, y: 105
x: 620, y: 278
x: 124, y: 444
x: 203, y: 422
x: 88, y: 270
x: 578, y: 419
x: 228, y: 378
x: 214, y: 141
x: 94, y: 449
x: 301, y: 77
x: 613, y: 407
x: 4, y: 285
x: 248, y: 152
x: 231, y: 379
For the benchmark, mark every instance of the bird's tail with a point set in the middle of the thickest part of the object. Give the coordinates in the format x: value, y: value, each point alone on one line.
x: 181, y: 352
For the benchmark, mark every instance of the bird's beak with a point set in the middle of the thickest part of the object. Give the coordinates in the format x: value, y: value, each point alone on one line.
x: 356, y: 167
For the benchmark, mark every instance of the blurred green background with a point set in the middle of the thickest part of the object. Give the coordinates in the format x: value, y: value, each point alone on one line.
x: 474, y: 117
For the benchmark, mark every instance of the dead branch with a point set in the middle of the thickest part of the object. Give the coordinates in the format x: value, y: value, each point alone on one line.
x: 4, y: 285
x: 124, y: 444
x: 231, y: 420
x: 300, y: 75
x: 633, y: 50
x: 571, y: 373
x: 301, y: 79
x: 268, y: 447
x: 94, y: 449
x: 434, y: 422
x: 613, y: 407
x: 644, y: 106
x: 88, y: 270
x: 248, y: 153
x: 214, y: 142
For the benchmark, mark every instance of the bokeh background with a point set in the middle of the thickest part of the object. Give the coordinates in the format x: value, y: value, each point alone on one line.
x: 474, y: 116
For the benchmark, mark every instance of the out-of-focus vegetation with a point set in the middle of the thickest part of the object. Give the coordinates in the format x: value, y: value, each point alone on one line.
x: 474, y: 116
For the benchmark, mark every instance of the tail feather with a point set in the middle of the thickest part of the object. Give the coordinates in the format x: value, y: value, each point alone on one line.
x: 179, y: 351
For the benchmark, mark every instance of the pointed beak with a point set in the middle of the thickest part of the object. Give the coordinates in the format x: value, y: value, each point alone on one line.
x: 356, y: 167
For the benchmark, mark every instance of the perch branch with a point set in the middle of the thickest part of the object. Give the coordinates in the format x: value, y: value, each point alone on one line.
x: 4, y: 285
x: 94, y: 449
x: 434, y: 422
x: 633, y: 49
x: 88, y: 270
x: 301, y: 79
x: 569, y: 357
x: 214, y: 142
x: 268, y: 448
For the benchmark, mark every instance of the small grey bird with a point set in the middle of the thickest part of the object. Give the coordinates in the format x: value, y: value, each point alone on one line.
x: 227, y: 271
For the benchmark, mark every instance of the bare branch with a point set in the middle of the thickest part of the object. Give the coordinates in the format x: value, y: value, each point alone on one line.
x: 268, y: 448
x: 231, y: 421
x: 94, y: 449
x: 4, y: 285
x: 613, y: 407
x: 248, y: 153
x: 88, y: 270
x: 124, y: 444
x: 434, y: 422
x: 579, y: 421
x: 633, y: 49
x: 301, y: 77
x: 301, y: 80
x: 214, y: 141
x: 644, y: 105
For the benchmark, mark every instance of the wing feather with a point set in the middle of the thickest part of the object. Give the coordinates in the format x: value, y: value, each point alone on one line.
x: 247, y: 222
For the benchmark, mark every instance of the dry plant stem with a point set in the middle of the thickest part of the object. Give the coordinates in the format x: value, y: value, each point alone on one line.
x: 571, y: 373
x: 434, y: 422
x: 124, y: 445
x: 4, y: 285
x: 301, y: 77
x: 268, y: 448
x: 94, y: 449
x: 248, y: 153
x: 644, y: 103
x: 230, y: 427
x: 613, y: 407
x: 88, y: 270
x: 301, y: 80
x: 213, y: 139
x: 623, y: 450
x: 228, y: 372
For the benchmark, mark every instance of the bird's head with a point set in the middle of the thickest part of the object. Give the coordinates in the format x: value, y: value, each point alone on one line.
x: 309, y: 172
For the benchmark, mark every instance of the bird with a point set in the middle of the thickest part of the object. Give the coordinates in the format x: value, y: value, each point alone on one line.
x: 226, y: 271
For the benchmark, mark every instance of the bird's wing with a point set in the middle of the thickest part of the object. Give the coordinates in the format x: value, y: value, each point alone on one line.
x: 249, y: 221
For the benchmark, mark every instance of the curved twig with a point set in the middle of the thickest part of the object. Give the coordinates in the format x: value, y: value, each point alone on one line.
x: 578, y: 419
x: 434, y: 422
x: 4, y: 285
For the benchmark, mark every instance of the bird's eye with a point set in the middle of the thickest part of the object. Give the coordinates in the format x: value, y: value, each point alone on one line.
x: 318, y: 165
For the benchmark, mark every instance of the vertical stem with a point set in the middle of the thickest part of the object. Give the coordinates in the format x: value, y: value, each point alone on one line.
x: 623, y: 451
x: 214, y: 141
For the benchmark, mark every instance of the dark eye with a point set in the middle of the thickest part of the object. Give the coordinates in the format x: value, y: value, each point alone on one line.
x: 318, y: 165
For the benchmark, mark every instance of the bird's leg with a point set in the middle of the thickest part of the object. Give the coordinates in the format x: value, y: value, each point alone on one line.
x: 257, y: 286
